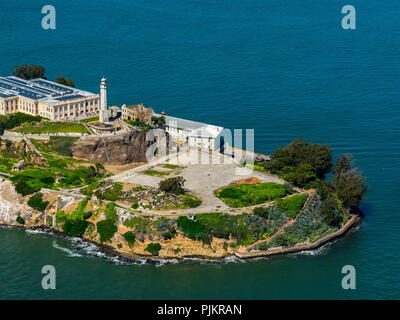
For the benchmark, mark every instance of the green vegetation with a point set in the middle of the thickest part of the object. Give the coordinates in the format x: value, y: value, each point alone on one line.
x: 244, y: 228
x: 191, y: 201
x: 244, y: 195
x: 20, y: 220
x: 59, y: 145
x: 139, y: 124
x: 67, y: 82
x: 36, y: 202
x: 75, y: 228
x: 348, y: 182
x: 28, y: 72
x: 158, y: 121
x: 171, y: 166
x: 52, y: 127
x: 92, y: 119
x: 300, y: 162
x: 309, y: 226
x: 262, y: 212
x: 130, y: 238
x: 8, y: 122
x: 153, y: 248
x: 157, y: 173
x: 108, y: 227
x: 292, y: 205
x: 74, y: 224
x: 111, y: 193
x: 32, y: 180
x: 172, y: 185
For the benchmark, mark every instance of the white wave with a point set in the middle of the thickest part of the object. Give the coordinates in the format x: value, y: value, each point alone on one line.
x: 70, y: 253
x: 319, y: 251
x: 36, y: 231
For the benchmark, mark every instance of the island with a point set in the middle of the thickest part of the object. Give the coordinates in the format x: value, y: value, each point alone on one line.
x: 85, y: 174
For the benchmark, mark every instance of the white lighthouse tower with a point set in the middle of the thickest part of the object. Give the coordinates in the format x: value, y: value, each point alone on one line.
x: 103, y: 116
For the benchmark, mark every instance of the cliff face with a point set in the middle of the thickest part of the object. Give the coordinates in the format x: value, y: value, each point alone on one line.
x: 119, y: 149
x: 12, y: 204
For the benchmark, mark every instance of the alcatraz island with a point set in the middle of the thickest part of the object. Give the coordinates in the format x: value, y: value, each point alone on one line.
x: 73, y: 165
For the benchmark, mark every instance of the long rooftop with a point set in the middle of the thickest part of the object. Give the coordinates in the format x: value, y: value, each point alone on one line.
x: 39, y: 89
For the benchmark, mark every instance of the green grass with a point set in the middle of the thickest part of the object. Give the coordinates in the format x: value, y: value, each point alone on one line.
x: 156, y: 173
x: 292, y: 205
x: 244, y: 195
x: 52, y: 127
x: 59, y: 145
x: 92, y: 119
x: 171, y: 166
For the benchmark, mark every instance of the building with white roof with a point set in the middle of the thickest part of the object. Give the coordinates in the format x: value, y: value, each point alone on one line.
x: 40, y: 97
x: 195, y: 134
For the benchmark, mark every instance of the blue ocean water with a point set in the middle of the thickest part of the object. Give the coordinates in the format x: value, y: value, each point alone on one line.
x: 285, y: 68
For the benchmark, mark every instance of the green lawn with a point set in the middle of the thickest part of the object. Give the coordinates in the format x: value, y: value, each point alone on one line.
x: 244, y: 195
x: 156, y: 173
x: 52, y: 127
x: 93, y: 119
x: 292, y: 205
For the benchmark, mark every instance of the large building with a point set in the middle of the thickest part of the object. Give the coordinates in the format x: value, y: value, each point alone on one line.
x: 39, y: 97
x: 195, y: 134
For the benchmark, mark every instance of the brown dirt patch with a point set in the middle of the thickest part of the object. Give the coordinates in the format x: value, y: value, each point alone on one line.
x: 116, y: 169
x: 251, y: 180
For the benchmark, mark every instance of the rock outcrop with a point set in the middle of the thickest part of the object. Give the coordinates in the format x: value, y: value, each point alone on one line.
x: 12, y: 204
x: 118, y: 149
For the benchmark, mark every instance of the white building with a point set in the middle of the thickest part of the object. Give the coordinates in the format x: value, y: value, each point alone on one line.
x: 195, y: 134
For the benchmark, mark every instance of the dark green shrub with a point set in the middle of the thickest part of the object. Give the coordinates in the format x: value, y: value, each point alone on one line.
x: 20, y: 220
x: 130, y: 238
x: 172, y: 185
x: 135, y: 205
x: 75, y: 228
x: 262, y: 212
x: 111, y: 212
x: 36, y: 202
x: 191, y: 201
x: 171, y: 233
x: 153, y: 248
x: 22, y: 187
x: 192, y: 229
x: 106, y: 229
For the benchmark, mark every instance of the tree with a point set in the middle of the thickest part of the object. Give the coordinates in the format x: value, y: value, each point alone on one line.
x: 29, y: 72
x: 280, y: 159
x: 67, y: 82
x: 348, y: 182
x: 330, y: 211
x: 172, y: 185
x: 322, y: 159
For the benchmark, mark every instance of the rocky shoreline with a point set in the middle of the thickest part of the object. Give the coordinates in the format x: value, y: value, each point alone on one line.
x: 13, y: 205
x: 354, y: 220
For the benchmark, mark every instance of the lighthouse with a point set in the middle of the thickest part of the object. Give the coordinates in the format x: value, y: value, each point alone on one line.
x: 103, y: 116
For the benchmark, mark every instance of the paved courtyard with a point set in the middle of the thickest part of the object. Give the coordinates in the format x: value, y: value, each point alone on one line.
x: 202, y: 177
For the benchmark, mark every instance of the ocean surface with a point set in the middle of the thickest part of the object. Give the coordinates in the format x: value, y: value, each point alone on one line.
x: 284, y: 68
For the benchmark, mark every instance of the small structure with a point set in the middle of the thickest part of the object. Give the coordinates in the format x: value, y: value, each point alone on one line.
x: 21, y: 165
x: 103, y: 115
x: 137, y: 113
x: 191, y: 216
